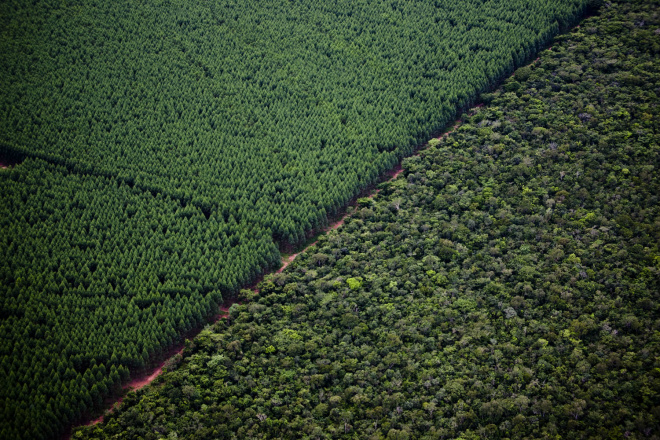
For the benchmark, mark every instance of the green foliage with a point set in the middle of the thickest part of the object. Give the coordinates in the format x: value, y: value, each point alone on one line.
x: 97, y: 278
x: 272, y: 112
x: 545, y: 325
x: 171, y: 145
x: 354, y: 283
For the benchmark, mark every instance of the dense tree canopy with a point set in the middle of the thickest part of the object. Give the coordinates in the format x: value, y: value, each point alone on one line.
x: 97, y: 276
x: 507, y: 286
x: 169, y: 146
x: 275, y: 112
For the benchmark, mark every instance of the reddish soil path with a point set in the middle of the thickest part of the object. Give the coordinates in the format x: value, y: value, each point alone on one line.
x: 332, y: 226
x: 288, y: 260
x: 100, y: 419
x: 140, y: 381
x: 224, y: 308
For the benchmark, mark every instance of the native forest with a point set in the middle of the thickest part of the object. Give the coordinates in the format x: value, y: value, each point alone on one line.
x: 297, y: 219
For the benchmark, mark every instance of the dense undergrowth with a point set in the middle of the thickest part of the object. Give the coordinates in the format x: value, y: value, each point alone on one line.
x: 167, y: 147
x: 506, y: 287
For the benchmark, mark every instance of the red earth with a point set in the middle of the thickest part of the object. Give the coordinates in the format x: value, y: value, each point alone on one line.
x: 288, y: 260
x: 224, y: 308
x: 334, y: 225
x: 141, y: 382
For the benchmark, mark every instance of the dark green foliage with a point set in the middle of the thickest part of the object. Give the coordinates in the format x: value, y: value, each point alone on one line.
x: 171, y: 144
x: 273, y: 112
x: 506, y: 287
x: 95, y: 274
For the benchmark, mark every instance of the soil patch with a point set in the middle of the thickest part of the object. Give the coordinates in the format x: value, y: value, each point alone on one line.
x: 288, y: 260
x: 140, y: 382
x: 224, y: 308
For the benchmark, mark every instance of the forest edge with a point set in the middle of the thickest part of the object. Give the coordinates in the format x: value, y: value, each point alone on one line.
x: 289, y: 253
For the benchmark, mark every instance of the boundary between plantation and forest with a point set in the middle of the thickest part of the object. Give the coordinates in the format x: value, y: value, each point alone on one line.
x: 174, y: 354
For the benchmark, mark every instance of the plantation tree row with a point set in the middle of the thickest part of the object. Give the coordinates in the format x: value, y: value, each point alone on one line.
x: 97, y: 278
x: 274, y: 112
x: 506, y: 286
